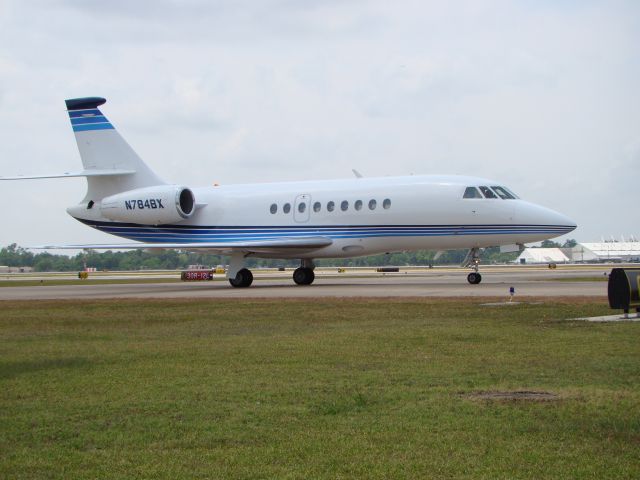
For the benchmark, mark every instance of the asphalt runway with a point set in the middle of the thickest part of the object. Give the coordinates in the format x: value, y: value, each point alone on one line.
x: 496, y: 282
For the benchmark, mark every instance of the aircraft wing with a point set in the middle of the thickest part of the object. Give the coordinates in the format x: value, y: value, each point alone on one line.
x: 84, y: 173
x: 280, y: 245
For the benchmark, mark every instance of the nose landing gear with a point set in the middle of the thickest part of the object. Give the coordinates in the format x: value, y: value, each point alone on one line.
x: 473, y: 261
x: 474, y: 278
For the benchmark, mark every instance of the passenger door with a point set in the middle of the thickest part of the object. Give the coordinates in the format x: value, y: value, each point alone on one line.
x: 301, y: 208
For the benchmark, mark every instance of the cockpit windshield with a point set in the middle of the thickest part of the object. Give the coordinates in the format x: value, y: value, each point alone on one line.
x: 487, y: 192
x: 510, y: 192
x: 493, y: 192
x: 502, y: 193
x: 472, y: 192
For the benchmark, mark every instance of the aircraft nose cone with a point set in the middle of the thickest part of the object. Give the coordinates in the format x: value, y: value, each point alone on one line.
x: 572, y: 224
x: 557, y: 222
x: 564, y: 221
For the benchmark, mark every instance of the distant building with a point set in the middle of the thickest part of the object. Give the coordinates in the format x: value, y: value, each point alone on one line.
x: 5, y: 269
x: 606, y: 252
x: 542, y: 255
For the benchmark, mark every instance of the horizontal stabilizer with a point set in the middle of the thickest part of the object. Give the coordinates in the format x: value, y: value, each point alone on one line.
x: 83, y: 173
x: 257, y: 246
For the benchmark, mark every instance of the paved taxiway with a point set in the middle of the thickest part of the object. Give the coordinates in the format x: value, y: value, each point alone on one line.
x: 425, y: 283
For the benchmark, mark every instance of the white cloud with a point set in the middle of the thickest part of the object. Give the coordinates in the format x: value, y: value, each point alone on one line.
x: 539, y: 94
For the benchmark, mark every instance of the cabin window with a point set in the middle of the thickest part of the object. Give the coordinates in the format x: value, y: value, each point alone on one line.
x: 317, y: 206
x: 274, y: 208
x: 372, y: 204
x: 471, y: 192
x: 386, y: 204
x: 503, y: 193
x: 344, y: 206
x: 358, y: 205
x: 302, y: 206
x: 330, y: 206
x: 487, y: 192
x: 286, y: 208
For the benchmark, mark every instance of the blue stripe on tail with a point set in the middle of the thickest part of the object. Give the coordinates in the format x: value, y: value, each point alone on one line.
x: 93, y: 119
x: 94, y: 126
x: 89, y: 119
x: 84, y: 113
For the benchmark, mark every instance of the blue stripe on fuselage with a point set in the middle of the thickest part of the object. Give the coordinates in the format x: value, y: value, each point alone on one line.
x: 210, y: 234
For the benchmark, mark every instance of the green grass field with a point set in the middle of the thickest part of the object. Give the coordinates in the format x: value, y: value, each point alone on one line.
x: 315, y: 389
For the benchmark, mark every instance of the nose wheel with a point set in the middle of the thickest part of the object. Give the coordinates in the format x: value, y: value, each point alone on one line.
x: 473, y: 261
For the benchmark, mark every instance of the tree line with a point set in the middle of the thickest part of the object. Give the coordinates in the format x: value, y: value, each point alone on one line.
x: 551, y: 244
x: 16, y: 256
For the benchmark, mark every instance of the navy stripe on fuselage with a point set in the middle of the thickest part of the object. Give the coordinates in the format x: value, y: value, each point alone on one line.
x: 289, y: 231
x: 154, y: 237
x: 260, y: 228
x: 333, y: 233
x: 356, y: 232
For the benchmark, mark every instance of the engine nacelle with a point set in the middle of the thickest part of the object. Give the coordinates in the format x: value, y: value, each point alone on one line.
x: 150, y: 206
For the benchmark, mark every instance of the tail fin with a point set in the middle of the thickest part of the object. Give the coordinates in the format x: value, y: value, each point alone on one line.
x: 103, y: 148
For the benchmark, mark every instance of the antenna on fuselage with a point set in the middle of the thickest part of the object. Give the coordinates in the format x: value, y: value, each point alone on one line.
x: 356, y: 173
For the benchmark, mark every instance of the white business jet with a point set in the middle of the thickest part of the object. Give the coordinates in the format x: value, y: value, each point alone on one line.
x: 304, y: 220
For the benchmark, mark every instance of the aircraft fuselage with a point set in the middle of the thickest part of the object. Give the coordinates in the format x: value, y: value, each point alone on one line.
x: 361, y: 216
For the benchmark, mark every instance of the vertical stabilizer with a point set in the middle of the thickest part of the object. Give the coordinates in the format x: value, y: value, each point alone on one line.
x: 103, y: 148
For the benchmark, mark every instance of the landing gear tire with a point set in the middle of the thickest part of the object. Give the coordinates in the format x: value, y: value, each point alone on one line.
x: 474, y: 278
x: 303, y: 276
x: 244, y: 278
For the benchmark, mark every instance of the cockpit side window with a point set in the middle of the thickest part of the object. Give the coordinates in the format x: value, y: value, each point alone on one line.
x: 502, y: 193
x: 471, y: 192
x: 487, y: 192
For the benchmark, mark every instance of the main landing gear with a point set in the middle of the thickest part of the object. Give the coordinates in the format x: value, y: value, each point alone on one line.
x: 243, y: 279
x: 473, y: 261
x: 303, y: 275
x: 237, y: 274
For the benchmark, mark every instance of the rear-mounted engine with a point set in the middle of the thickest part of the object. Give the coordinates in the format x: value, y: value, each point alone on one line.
x: 150, y: 206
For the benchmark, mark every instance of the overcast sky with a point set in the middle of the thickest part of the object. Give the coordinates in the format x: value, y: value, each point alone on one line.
x: 542, y: 95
